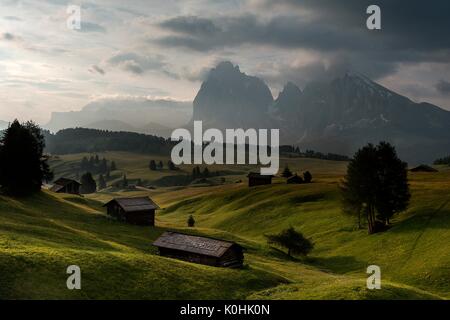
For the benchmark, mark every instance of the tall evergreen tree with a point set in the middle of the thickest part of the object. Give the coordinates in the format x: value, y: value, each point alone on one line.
x: 88, y: 184
x: 160, y: 165
x: 376, y: 185
x: 23, y: 165
x: 152, y: 165
x: 171, y: 165
x: 286, y: 172
x: 101, y: 182
x: 307, y: 176
x: 113, y: 166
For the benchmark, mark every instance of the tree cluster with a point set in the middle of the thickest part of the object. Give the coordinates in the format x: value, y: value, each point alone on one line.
x: 375, y: 186
x: 292, y: 240
x: 23, y: 164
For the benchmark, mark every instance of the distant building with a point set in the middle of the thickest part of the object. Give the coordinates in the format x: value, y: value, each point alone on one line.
x: 203, y: 250
x: 64, y: 185
x: 295, y: 179
x: 423, y: 168
x: 137, y: 210
x: 256, y: 179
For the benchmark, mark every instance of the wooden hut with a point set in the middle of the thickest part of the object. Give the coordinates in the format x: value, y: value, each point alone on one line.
x: 423, y: 168
x: 256, y: 179
x: 137, y: 210
x: 295, y: 179
x: 64, y: 185
x: 203, y: 250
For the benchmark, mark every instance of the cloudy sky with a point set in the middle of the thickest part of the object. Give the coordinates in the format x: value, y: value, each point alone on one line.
x: 152, y: 48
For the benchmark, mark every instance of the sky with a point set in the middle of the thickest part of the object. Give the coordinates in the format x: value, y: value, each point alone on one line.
x: 163, y: 49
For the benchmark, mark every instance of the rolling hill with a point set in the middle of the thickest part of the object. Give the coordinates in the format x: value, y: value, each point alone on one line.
x: 42, y: 235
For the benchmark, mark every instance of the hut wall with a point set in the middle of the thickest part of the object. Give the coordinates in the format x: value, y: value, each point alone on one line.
x: 141, y: 218
x: 258, y: 182
x: 188, y: 256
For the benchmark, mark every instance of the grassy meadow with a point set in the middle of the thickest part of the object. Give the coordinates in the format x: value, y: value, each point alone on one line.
x: 42, y: 235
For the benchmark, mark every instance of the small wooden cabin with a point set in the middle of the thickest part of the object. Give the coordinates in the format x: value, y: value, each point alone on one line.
x: 203, y: 250
x: 295, y: 179
x: 256, y: 179
x: 137, y: 210
x: 64, y: 185
x: 423, y: 168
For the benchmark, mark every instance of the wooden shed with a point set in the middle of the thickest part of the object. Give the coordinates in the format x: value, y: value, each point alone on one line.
x: 64, y: 185
x: 137, y: 210
x: 423, y: 168
x: 203, y: 250
x: 256, y: 179
x: 295, y: 179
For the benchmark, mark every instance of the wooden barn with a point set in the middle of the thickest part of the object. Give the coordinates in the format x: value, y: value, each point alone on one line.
x: 256, y: 179
x: 295, y: 179
x: 423, y: 168
x: 137, y: 210
x: 64, y: 185
x: 203, y: 250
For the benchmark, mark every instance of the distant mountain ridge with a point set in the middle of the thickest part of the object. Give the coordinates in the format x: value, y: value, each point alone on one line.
x: 150, y: 116
x: 338, y: 116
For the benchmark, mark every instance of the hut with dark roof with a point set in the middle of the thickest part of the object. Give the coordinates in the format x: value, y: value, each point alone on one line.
x: 257, y: 179
x: 137, y: 210
x: 423, y: 168
x: 295, y: 179
x: 203, y: 250
x: 64, y: 185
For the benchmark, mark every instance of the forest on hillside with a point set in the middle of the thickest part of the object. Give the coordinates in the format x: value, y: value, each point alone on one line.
x: 77, y: 140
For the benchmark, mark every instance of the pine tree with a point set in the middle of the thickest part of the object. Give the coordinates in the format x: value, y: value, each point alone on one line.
x: 286, y: 172
x: 88, y: 184
x: 160, y: 165
x: 171, y: 165
x: 23, y: 165
x: 191, y: 221
x: 206, y: 172
x: 101, y: 182
x: 152, y: 165
x: 113, y: 166
x: 307, y: 176
x: 125, y: 181
x: 375, y: 186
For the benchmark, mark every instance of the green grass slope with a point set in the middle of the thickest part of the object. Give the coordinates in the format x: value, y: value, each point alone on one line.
x: 415, y: 252
x: 42, y: 235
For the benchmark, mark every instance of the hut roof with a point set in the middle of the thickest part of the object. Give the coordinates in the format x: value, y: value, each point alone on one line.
x: 423, y: 168
x: 195, y: 244
x: 295, y: 178
x: 259, y: 176
x: 134, y: 204
x: 65, y: 181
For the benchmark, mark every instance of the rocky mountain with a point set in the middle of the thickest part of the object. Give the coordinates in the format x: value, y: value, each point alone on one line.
x: 231, y: 99
x: 151, y: 116
x: 338, y: 116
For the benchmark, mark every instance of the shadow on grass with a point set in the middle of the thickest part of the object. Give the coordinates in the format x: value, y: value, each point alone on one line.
x: 336, y: 264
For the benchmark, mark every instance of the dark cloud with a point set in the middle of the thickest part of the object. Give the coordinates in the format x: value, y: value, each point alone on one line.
x: 139, y: 64
x: 443, y: 87
x: 8, y: 36
x: 97, y: 69
x: 411, y: 32
x: 12, y: 18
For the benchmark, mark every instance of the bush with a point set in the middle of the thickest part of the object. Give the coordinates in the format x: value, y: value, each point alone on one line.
x: 191, y: 221
x: 292, y: 240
